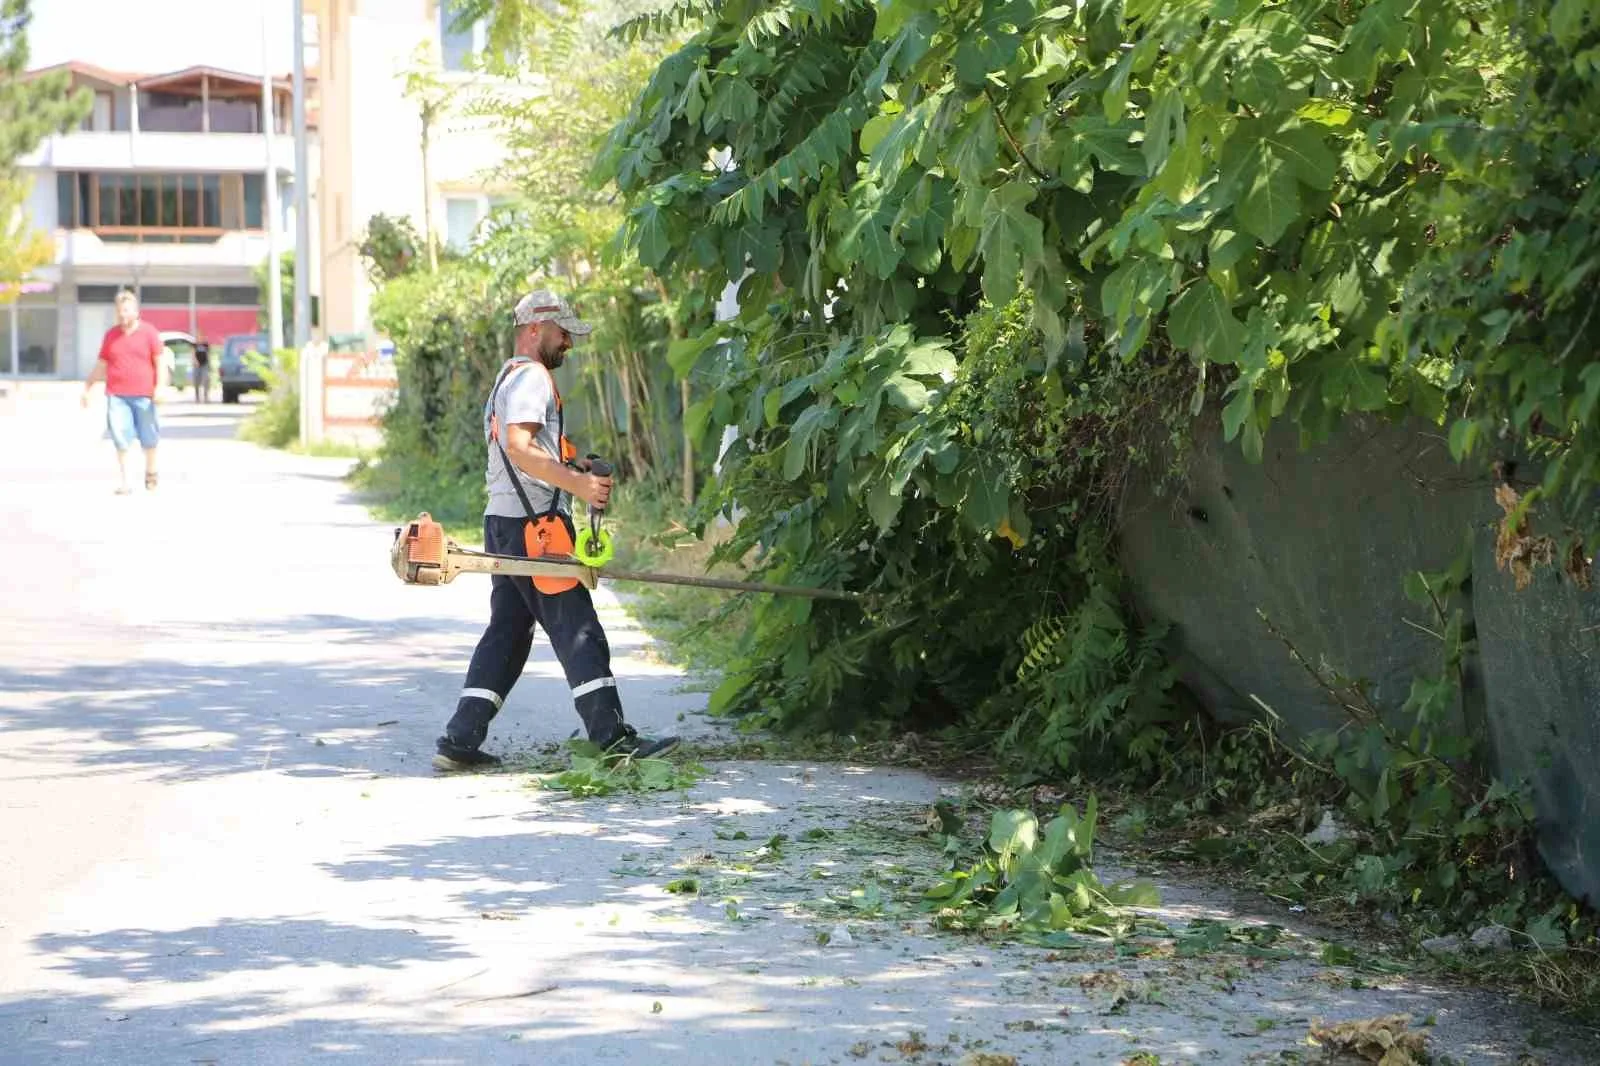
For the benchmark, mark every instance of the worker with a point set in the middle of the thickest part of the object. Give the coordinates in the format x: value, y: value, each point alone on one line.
x: 533, y: 474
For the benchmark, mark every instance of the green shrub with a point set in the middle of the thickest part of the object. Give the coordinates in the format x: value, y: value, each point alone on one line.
x: 960, y: 490
x: 275, y: 423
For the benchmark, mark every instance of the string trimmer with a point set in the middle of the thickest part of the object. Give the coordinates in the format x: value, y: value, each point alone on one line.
x: 423, y: 555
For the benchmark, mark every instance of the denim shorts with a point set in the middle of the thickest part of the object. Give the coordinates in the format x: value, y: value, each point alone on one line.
x: 130, y: 417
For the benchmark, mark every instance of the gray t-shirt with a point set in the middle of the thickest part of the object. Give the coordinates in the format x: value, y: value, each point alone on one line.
x: 527, y: 394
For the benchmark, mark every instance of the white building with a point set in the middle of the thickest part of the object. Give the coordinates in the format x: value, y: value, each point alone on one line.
x: 372, y: 136
x: 161, y: 190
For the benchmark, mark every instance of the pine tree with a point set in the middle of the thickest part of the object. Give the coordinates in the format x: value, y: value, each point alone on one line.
x: 30, y: 111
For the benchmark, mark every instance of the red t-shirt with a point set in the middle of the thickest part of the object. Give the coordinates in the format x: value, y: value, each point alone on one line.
x: 131, y: 359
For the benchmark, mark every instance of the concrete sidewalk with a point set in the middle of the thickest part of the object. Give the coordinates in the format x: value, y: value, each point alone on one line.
x: 225, y: 844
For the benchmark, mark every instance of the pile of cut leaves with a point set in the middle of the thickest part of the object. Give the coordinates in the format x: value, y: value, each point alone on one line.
x: 1038, y: 884
x: 594, y: 772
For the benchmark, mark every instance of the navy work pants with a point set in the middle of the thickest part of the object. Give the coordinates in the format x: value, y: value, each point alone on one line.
x: 516, y: 608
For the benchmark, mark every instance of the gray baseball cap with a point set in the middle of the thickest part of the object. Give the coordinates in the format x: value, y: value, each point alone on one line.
x: 542, y: 305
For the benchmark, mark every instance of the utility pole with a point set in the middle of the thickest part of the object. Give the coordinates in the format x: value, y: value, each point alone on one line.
x: 302, y: 187
x: 269, y: 122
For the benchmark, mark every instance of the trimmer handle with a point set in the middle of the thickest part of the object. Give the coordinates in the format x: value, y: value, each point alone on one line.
x: 599, y: 468
x: 594, y: 547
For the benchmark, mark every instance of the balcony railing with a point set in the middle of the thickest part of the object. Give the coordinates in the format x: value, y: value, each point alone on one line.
x: 235, y: 251
x: 167, y: 234
x: 224, y: 152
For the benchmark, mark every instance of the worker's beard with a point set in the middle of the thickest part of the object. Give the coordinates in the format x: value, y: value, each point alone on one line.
x: 552, y: 355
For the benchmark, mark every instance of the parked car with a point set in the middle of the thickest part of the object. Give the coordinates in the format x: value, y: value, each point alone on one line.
x: 241, y: 355
x: 179, y: 356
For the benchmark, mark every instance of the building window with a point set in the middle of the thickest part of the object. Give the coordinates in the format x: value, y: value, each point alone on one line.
x: 165, y: 206
x: 98, y: 294
x: 235, y: 115
x: 211, y: 201
x: 172, y: 295
x: 255, y: 191
x: 457, y: 46
x: 461, y: 215
x: 66, y: 201
x: 149, y: 201
x: 227, y: 295
x: 36, y: 339
x: 169, y: 113
x: 99, y: 118
x: 189, y: 198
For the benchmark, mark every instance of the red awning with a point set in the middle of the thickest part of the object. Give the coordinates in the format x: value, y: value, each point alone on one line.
x: 215, y: 325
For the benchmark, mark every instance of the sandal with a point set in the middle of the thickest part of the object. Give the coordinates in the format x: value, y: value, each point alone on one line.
x: 150, y: 481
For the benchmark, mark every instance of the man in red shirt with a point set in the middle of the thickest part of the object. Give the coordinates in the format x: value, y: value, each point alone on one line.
x: 130, y: 364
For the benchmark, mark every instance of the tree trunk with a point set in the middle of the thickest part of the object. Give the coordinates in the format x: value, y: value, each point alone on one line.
x: 688, y: 446
x: 427, y: 192
x: 677, y: 331
x: 603, y: 401
x: 638, y: 417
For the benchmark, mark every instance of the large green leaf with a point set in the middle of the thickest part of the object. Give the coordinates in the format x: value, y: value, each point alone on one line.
x: 1115, y: 100
x: 1163, y: 128
x: 812, y: 421
x: 1136, y: 289
x: 1202, y: 323
x: 1348, y: 385
x: 1109, y: 145
x: 873, y: 133
x: 650, y: 234
x: 883, y: 503
x: 929, y: 359
x: 1270, y: 202
x: 1380, y: 34
x: 1225, y: 247
x: 869, y: 237
x: 1011, y: 831
x: 1012, y: 239
x: 1307, y: 156
x: 683, y: 354
x: 906, y: 393
x: 988, y: 498
x: 1103, y: 19
x: 1239, y: 409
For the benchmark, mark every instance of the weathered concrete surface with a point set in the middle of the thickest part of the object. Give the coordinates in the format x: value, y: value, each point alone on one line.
x: 1539, y: 655
x: 224, y: 845
x: 1320, y: 542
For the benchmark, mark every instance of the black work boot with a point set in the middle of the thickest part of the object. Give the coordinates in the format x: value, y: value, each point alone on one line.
x: 630, y: 743
x: 452, y: 759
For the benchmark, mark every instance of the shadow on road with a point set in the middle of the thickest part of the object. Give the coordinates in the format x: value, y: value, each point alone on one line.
x: 682, y: 981
x: 205, y: 952
x: 314, y: 695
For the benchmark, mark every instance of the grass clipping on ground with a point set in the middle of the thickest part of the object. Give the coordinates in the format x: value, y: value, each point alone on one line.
x: 1388, y: 1041
x: 594, y: 772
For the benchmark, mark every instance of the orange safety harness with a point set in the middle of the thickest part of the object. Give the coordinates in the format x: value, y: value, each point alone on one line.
x: 547, y: 533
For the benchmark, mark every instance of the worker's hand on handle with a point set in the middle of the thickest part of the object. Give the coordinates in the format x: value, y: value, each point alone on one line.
x: 593, y: 490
